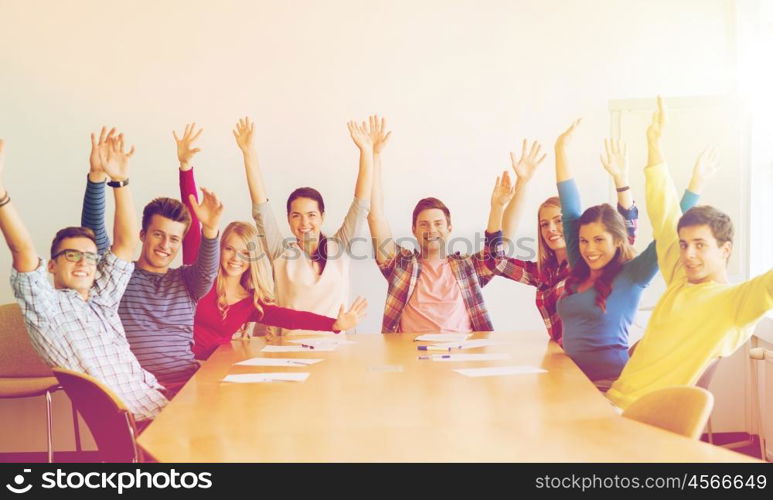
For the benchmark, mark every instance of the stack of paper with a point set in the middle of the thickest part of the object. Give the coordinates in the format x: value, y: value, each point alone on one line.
x: 246, y: 378
x: 318, y: 343
x: 442, y: 337
x: 278, y: 362
x: 491, y: 371
x: 466, y: 344
x: 494, y: 356
x: 296, y: 348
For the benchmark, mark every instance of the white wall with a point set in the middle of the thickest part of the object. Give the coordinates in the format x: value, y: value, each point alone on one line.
x: 461, y: 83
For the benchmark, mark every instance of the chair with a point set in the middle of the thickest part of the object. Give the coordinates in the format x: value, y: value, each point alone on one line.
x: 682, y: 409
x: 22, y: 373
x: 759, y: 354
x: 109, y: 421
x: 704, y: 381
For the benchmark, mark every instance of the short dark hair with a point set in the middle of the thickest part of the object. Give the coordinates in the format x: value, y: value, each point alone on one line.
x: 705, y: 215
x: 427, y: 204
x: 71, y: 232
x: 306, y: 192
x: 168, y: 208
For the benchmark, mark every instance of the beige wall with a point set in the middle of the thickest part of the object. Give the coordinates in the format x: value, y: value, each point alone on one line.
x: 461, y: 83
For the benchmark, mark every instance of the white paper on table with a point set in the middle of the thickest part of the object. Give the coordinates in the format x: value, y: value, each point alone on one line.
x: 308, y: 333
x: 491, y: 371
x: 246, y: 378
x: 325, y: 342
x: 297, y: 348
x: 278, y: 362
x: 442, y: 337
x: 493, y: 356
x: 468, y: 344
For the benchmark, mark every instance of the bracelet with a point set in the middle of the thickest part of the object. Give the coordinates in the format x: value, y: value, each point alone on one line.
x: 619, y: 190
x: 117, y: 184
x: 5, y: 200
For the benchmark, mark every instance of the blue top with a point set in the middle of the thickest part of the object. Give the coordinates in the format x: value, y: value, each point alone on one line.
x: 596, y: 340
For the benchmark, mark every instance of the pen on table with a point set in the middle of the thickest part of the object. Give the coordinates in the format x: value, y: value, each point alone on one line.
x: 436, y: 348
x: 438, y: 356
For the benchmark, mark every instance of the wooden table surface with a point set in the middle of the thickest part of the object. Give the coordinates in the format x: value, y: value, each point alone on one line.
x: 374, y: 401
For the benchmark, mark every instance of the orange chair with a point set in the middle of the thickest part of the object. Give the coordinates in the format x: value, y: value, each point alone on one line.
x: 109, y: 421
x: 22, y: 373
x: 682, y: 409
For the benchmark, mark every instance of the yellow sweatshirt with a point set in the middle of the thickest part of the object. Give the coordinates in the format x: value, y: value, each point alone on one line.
x: 692, y: 325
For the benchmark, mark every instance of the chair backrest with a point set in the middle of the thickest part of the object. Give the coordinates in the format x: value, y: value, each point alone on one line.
x: 17, y: 356
x: 683, y: 410
x: 705, y: 379
x: 109, y: 421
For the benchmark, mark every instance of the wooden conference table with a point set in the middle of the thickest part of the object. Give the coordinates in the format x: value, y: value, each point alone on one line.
x: 375, y: 401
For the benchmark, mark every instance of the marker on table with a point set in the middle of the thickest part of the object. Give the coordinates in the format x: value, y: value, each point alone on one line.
x: 436, y: 348
x: 436, y: 356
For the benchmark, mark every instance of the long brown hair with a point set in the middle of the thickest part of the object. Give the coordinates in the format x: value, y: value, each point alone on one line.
x: 615, y: 225
x: 257, y: 279
x: 545, y: 255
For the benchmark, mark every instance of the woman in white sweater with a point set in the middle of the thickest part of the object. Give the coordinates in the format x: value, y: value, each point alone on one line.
x: 311, y: 270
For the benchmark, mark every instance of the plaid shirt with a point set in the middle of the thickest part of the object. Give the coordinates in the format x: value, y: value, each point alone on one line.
x: 550, y: 282
x: 472, y: 273
x: 87, y: 335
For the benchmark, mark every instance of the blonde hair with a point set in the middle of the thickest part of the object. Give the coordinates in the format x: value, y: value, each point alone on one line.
x: 257, y: 279
x: 545, y: 254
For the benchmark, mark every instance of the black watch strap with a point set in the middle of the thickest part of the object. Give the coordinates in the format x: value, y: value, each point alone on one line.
x: 117, y: 184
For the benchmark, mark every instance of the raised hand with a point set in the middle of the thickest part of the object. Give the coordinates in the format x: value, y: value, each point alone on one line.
x: 527, y: 164
x: 244, y: 134
x: 504, y: 190
x: 616, y: 160
x: 655, y: 129
x: 565, y: 138
x: 208, y: 211
x: 360, y: 135
x: 706, y: 166
x: 352, y: 317
x: 96, y: 172
x: 378, y: 134
x: 115, y: 161
x: 655, y: 133
x: 185, y: 150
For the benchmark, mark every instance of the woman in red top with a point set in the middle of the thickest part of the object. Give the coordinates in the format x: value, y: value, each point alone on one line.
x: 243, y: 290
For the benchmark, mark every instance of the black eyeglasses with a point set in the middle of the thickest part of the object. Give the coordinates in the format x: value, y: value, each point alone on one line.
x: 76, y: 255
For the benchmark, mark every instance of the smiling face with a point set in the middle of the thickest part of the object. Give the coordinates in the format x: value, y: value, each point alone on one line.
x: 597, y: 245
x: 305, y: 219
x: 431, y: 230
x: 78, y: 276
x: 234, y: 256
x: 160, y: 243
x: 550, y: 227
x: 703, y: 258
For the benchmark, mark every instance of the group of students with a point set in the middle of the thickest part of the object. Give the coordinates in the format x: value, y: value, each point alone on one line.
x: 141, y: 327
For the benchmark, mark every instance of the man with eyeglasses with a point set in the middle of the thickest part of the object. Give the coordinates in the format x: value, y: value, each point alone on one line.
x: 75, y: 323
